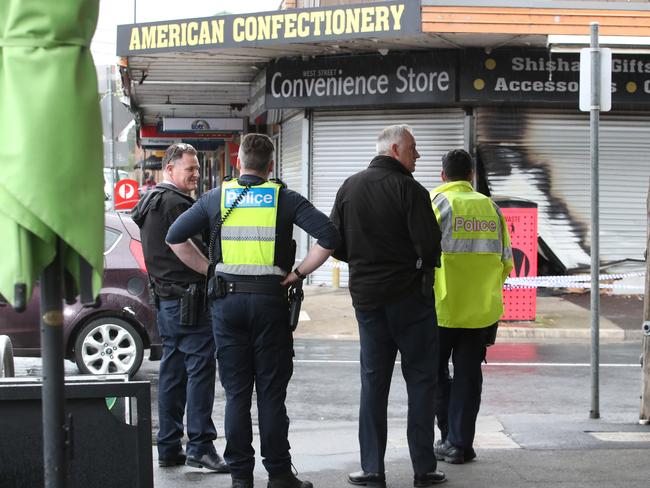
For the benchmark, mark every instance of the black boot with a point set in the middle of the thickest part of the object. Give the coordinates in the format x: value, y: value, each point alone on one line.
x: 287, y: 480
x: 242, y: 483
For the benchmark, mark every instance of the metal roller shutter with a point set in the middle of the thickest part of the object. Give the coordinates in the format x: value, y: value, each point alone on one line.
x: 291, y: 165
x: 543, y: 155
x: 344, y: 143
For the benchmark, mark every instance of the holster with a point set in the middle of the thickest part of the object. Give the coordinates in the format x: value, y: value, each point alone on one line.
x: 216, y: 287
x: 154, y: 301
x: 191, y: 304
x: 296, y: 295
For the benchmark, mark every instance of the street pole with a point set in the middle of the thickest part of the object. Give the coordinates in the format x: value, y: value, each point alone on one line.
x: 644, y: 411
x: 53, y: 400
x: 594, y: 120
x: 111, y: 140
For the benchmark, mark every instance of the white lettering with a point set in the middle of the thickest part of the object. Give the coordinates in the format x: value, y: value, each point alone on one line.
x: 535, y: 86
x: 413, y: 82
x: 544, y: 64
x: 382, y: 84
x: 274, y: 93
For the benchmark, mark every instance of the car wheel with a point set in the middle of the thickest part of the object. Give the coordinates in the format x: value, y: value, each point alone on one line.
x: 108, y: 345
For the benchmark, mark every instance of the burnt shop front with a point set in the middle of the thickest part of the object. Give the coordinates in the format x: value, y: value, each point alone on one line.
x: 531, y: 141
x: 515, y: 109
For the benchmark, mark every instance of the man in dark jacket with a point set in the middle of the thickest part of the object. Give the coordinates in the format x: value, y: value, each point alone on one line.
x: 188, y: 365
x: 391, y: 241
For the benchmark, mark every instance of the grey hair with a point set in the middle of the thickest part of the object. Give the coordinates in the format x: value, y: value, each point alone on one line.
x: 392, y: 134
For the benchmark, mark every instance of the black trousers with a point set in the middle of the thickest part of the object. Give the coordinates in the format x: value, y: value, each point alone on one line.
x: 254, y: 349
x: 410, y: 327
x: 458, y: 400
x: 186, y: 383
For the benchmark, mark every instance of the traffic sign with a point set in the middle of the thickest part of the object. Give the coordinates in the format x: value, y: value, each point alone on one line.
x: 126, y: 194
x: 605, y: 102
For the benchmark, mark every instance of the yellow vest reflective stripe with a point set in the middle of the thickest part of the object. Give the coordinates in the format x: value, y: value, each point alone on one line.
x: 248, y: 234
x: 476, y: 257
x: 472, y: 227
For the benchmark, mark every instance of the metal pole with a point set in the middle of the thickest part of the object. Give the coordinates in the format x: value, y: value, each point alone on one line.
x: 644, y: 411
x: 111, y: 139
x: 54, y: 460
x: 594, y: 120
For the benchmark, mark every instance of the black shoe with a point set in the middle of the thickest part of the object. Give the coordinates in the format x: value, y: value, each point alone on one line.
x: 210, y: 461
x: 242, y: 483
x: 287, y: 480
x: 173, y: 460
x: 367, y: 479
x: 449, y: 453
x: 429, y: 479
x: 469, y: 454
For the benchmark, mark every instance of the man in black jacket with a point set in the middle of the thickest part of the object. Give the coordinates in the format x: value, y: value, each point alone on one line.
x: 188, y: 364
x: 391, y: 241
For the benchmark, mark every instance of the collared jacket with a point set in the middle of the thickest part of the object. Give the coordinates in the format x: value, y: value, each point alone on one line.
x: 390, y: 237
x: 476, y: 257
x: 154, y: 214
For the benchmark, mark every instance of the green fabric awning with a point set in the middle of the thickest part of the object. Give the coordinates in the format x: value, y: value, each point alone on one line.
x: 51, y: 157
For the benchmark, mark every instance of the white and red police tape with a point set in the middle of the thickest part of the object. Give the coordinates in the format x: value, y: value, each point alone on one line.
x: 558, y: 281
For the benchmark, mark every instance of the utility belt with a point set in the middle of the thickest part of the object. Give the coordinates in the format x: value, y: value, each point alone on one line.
x: 191, y: 298
x: 218, y: 287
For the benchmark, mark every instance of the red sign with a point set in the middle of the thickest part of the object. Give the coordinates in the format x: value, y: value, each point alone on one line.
x: 126, y: 194
x: 151, y: 131
x: 232, y: 151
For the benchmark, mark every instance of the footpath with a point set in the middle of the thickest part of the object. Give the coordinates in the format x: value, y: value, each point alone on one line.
x: 328, y: 313
x: 578, y: 452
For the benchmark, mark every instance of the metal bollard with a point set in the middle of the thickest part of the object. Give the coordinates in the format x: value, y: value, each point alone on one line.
x: 336, y: 274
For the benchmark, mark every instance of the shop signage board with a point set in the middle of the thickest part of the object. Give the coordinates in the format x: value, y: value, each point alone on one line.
x: 126, y: 194
x: 386, y: 19
x: 539, y: 76
x: 151, y: 136
x: 393, y: 79
x: 202, y: 125
x: 605, y: 69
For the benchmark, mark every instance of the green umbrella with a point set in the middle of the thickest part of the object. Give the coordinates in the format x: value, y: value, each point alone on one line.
x: 51, y: 153
x: 51, y: 182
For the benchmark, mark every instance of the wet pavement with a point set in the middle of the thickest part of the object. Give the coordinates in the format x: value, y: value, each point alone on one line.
x: 533, y: 430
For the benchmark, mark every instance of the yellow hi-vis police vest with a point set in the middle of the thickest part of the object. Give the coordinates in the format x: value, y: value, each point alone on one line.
x: 248, y: 234
x: 476, y: 257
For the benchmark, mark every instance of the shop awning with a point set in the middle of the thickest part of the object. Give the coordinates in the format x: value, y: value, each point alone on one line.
x: 214, y: 75
x: 224, y: 78
x: 151, y: 162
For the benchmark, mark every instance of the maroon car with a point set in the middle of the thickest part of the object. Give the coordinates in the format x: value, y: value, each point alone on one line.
x: 112, y: 337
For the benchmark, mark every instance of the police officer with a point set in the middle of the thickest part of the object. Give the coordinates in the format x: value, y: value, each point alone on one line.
x: 476, y: 260
x: 252, y: 220
x: 187, y: 368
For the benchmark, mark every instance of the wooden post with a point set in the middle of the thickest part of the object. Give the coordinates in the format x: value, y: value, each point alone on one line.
x: 644, y: 412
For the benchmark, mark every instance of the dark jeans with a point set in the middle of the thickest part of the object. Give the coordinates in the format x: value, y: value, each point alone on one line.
x: 458, y: 400
x: 186, y: 378
x: 409, y: 326
x: 255, y: 348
